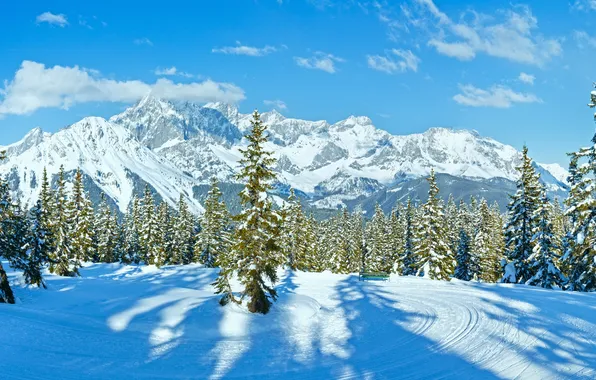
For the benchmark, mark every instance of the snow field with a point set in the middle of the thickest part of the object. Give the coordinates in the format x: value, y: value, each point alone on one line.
x: 123, y: 322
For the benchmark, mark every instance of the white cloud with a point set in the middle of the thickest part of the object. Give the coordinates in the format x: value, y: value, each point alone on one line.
x: 584, y: 5
x: 397, y: 60
x: 527, y: 78
x: 319, y: 61
x: 170, y: 71
x: 34, y: 86
x: 53, y: 19
x: 496, y: 96
x: 143, y: 41
x: 509, y: 34
x: 459, y: 50
x: 240, y: 49
x: 167, y: 71
x: 582, y: 39
x: 277, y: 104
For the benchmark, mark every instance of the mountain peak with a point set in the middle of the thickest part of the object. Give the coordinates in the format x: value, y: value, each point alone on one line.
x: 272, y: 116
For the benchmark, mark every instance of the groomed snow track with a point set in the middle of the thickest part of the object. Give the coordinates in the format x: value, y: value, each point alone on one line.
x: 127, y: 322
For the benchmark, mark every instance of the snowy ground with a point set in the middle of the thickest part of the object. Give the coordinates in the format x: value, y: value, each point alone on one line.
x: 127, y: 322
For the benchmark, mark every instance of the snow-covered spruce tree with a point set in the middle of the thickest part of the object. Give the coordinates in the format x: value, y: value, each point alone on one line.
x: 37, y: 249
x: 543, y: 260
x: 344, y: 243
x: 436, y: 260
x: 80, y: 212
x: 6, y: 246
x: 497, y: 235
x: 396, y: 238
x: 256, y: 237
x: 293, y: 237
x: 356, y: 240
x: 464, y: 219
x: 324, y: 244
x: 408, y: 256
x: 377, y: 243
x: 572, y: 262
x: 451, y: 214
x: 214, y: 237
x: 48, y: 206
x: 63, y: 260
x: 463, y: 270
x: 131, y: 250
x: 163, y: 243
x: 106, y: 232
x: 520, y: 223
x: 579, y: 260
x: 6, y: 294
x: 559, y: 220
x: 183, y: 234
x: 149, y: 229
x: 484, y: 246
x: 308, y: 262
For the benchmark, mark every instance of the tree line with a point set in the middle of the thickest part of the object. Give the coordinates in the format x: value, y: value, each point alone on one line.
x: 536, y: 242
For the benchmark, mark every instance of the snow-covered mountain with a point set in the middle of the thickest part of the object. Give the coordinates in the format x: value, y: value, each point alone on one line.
x: 106, y: 152
x: 178, y: 146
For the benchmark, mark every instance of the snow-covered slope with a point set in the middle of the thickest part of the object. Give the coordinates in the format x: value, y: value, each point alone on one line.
x: 557, y: 171
x: 187, y: 144
x: 106, y: 152
x: 128, y: 322
x: 313, y: 154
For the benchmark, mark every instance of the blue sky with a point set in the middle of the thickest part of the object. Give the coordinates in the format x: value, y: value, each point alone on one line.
x: 517, y: 72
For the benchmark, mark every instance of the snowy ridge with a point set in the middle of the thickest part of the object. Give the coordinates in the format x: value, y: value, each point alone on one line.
x: 174, y: 146
x: 106, y: 152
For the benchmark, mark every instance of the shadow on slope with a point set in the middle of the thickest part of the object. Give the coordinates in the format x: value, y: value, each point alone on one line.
x: 556, y: 330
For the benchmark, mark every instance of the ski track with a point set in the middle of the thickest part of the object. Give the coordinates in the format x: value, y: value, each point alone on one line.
x: 122, y: 322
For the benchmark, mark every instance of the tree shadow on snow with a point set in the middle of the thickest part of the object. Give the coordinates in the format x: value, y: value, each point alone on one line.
x: 554, y: 329
x: 359, y: 333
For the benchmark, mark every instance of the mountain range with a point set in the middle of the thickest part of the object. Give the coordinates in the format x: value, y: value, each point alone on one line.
x: 176, y: 147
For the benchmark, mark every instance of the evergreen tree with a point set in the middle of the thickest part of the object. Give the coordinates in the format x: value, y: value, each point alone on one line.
x: 256, y: 242
x: 214, y: 238
x: 377, y: 257
x: 162, y: 248
x: 132, y: 249
x: 543, y: 260
x: 345, y: 243
x: 520, y: 224
x: 396, y: 238
x: 48, y: 209
x: 463, y: 270
x: 107, y: 233
x: 6, y: 294
x: 435, y: 257
x: 308, y: 261
x: 484, y: 246
x: 37, y: 248
x: 559, y: 220
x: 294, y: 240
x: 63, y: 260
x: 80, y: 212
x: 183, y: 241
x: 451, y: 214
x: 408, y: 257
x: 579, y: 260
x: 150, y: 237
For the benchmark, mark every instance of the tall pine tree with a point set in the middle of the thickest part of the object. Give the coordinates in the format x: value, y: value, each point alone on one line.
x: 520, y: 223
x: 256, y: 236
x: 436, y: 260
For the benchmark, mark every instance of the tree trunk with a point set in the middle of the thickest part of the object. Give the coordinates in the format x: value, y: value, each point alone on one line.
x: 6, y: 295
